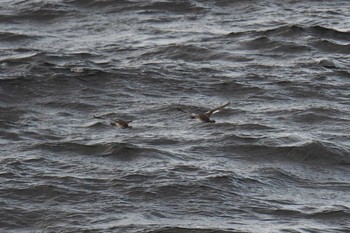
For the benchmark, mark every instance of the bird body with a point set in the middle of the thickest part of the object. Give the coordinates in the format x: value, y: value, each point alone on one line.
x: 121, y: 124
x: 118, y: 122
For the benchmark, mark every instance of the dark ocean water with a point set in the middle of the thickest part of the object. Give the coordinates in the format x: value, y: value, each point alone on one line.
x: 276, y: 160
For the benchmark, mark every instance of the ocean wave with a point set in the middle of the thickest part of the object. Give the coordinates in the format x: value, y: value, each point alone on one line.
x: 42, y: 64
x: 110, y: 5
x: 14, y: 37
x: 286, y: 31
x: 286, y: 39
x: 320, y: 152
x: 37, y: 11
x: 268, y: 44
x: 332, y: 213
x: 330, y: 33
x: 129, y: 152
x: 331, y: 47
x: 192, y: 53
x: 119, y: 151
x: 312, y: 152
x: 276, y: 176
x: 328, y: 63
x: 20, y: 57
x: 42, y: 192
x: 189, y: 230
x: 140, y: 7
x: 182, y: 7
x: 181, y: 52
x: 237, y: 87
x: 63, y: 104
x: 318, y: 114
x: 297, y: 31
x: 254, y: 126
x: 69, y: 147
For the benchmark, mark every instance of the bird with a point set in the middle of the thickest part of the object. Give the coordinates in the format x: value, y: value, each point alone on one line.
x: 121, y: 123
x: 205, y: 117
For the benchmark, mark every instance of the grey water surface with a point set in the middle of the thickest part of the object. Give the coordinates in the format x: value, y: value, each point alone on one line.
x: 276, y: 160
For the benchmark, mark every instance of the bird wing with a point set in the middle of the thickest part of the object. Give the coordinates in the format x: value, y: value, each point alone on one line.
x: 217, y: 109
x: 122, y: 121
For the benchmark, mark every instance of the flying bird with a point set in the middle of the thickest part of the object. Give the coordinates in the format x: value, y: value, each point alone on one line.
x: 205, y: 117
x: 123, y: 124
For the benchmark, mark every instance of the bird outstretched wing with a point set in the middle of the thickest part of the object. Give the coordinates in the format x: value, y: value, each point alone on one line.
x: 217, y: 109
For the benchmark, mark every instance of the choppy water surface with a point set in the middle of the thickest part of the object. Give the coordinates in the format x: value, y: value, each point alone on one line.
x: 276, y: 160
